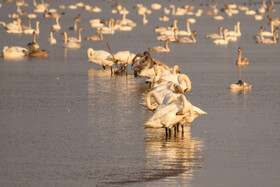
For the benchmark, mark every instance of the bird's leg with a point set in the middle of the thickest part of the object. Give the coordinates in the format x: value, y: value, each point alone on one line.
x: 135, y: 74
x: 175, y: 130
x: 178, y: 124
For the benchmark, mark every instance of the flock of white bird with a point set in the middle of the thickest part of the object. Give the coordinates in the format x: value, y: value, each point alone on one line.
x: 168, y: 86
x: 166, y: 97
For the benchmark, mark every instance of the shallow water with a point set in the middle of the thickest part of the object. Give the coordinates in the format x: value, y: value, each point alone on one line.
x: 67, y: 122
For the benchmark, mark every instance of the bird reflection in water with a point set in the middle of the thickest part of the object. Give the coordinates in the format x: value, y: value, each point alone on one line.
x: 176, y: 155
x: 110, y: 94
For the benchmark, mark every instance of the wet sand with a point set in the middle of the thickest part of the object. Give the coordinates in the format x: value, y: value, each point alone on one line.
x: 67, y: 122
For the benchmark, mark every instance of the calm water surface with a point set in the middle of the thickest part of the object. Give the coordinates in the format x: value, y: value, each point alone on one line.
x: 67, y: 122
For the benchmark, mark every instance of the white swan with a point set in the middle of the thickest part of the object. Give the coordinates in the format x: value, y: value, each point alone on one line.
x: 96, y: 38
x: 160, y: 49
x: 52, y: 40
x: 181, y: 79
x: 76, y: 20
x: 222, y: 41
x: 34, y: 45
x: 178, y: 12
x: 100, y: 57
x: 95, y: 23
x: 77, y: 40
x: 156, y: 6
x: 250, y: 12
x: 236, y: 32
x: 171, y: 38
x: 163, y: 96
x: 241, y: 60
x: 170, y: 98
x: 188, y: 32
x: 233, y: 38
x: 187, y: 39
x: 14, y: 52
x: 161, y: 71
x: 216, y: 36
x: 109, y: 29
x: 96, y: 9
x: 267, y: 33
x: 263, y: 40
x: 14, y: 27
x: 163, y: 18
x: 218, y: 17
x: 30, y: 30
x: 144, y: 20
x: 70, y: 44
x: 57, y: 25
x: 123, y: 57
x: 170, y: 114
x: 240, y: 86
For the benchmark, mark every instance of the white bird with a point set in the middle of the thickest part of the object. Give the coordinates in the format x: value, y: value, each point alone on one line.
x: 187, y: 39
x: 250, y: 12
x: 76, y: 20
x: 96, y: 9
x: 233, y: 38
x: 109, y: 29
x: 156, y: 6
x: 14, y: 52
x: 171, y: 38
x: 267, y: 33
x: 57, y: 25
x: 188, y: 32
x: 96, y: 38
x: 14, y: 27
x: 166, y: 10
x: 267, y: 40
x: 241, y: 60
x: 163, y: 18
x: 30, y: 30
x: 164, y: 49
x: 73, y: 39
x: 95, y: 23
x: 168, y: 115
x: 218, y: 17
x: 163, y: 95
x: 52, y: 40
x: 240, y: 86
x: 100, y: 57
x: 222, y: 41
x: 178, y: 12
x: 161, y: 71
x: 40, y: 8
x: 236, y: 31
x: 123, y: 57
x: 70, y: 44
x: 181, y: 79
x: 216, y: 36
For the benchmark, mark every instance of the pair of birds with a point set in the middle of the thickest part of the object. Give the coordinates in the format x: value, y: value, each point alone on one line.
x: 240, y: 85
x: 174, y: 38
x: 16, y: 52
x: 105, y: 59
